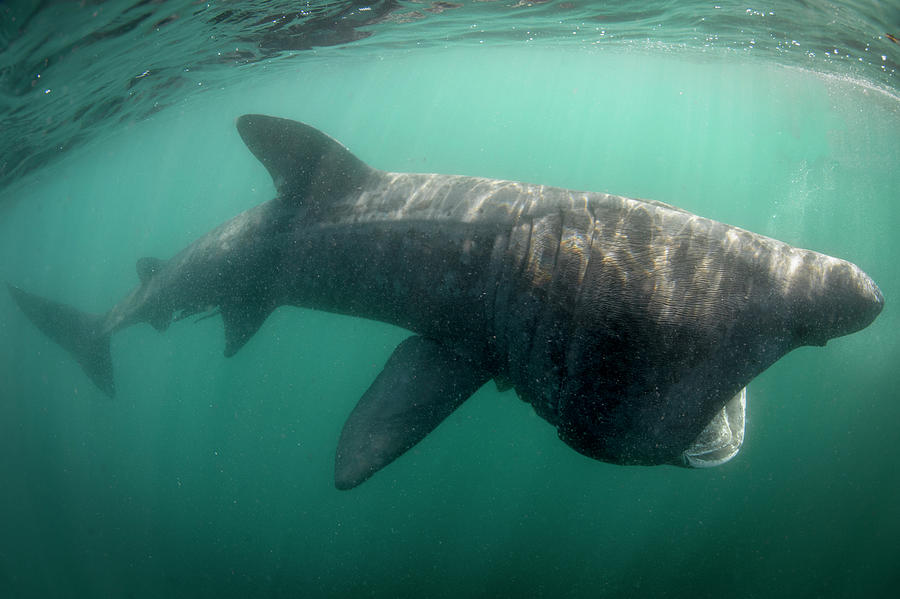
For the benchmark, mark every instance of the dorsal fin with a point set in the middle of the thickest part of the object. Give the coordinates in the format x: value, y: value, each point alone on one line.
x: 306, y: 165
x: 147, y: 267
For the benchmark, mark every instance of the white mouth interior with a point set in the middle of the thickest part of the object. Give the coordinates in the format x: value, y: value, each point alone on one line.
x: 722, y: 438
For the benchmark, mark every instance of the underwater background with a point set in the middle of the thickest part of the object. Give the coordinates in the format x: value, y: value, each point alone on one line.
x: 212, y: 477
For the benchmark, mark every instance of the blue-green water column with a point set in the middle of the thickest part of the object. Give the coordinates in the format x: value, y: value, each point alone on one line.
x: 213, y: 477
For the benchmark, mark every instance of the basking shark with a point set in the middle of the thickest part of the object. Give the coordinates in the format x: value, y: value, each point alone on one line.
x: 631, y: 326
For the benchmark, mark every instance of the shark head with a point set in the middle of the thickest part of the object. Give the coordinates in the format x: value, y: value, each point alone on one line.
x: 831, y: 297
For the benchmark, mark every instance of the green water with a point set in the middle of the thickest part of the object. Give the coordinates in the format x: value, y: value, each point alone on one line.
x: 212, y: 477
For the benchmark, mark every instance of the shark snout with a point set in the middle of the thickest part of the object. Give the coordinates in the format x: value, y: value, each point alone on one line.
x: 848, y: 301
x: 870, y: 298
x: 864, y: 300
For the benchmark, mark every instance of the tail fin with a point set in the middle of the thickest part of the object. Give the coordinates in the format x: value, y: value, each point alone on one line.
x: 79, y: 333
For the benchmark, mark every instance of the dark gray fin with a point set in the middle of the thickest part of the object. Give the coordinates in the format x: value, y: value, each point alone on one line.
x: 77, y: 332
x: 147, y: 267
x: 241, y: 322
x: 421, y: 384
x: 160, y: 320
x: 503, y: 383
x: 306, y: 165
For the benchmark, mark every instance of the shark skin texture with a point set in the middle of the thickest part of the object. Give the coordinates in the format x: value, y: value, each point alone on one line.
x: 631, y: 326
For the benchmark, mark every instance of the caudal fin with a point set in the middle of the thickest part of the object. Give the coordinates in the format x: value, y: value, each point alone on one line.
x: 79, y: 333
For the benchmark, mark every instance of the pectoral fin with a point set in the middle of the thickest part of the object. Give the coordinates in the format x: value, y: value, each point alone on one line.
x: 421, y: 384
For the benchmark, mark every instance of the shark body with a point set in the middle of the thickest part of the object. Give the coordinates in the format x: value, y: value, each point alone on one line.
x: 632, y: 326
